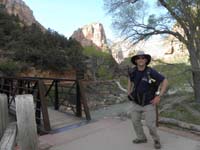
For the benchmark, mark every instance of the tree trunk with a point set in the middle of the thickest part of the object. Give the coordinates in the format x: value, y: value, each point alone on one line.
x: 196, y: 80
x: 179, y: 123
x: 195, y: 64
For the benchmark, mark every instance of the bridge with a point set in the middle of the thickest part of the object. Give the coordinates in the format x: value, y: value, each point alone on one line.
x: 50, y: 95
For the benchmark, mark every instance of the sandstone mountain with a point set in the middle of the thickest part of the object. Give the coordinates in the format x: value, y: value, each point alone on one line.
x: 175, y: 47
x: 20, y: 9
x: 91, y: 35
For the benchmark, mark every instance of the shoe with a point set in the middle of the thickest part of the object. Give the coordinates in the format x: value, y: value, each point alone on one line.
x: 157, y: 145
x: 138, y: 141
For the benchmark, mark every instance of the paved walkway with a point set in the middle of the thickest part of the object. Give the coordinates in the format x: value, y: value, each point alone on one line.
x: 114, y: 134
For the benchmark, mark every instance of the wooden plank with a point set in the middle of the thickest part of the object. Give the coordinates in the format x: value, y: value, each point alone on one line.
x: 8, y: 140
x: 27, y: 131
x: 60, y: 119
x: 3, y: 113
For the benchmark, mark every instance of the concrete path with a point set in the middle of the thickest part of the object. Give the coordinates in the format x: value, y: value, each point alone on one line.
x: 114, y: 134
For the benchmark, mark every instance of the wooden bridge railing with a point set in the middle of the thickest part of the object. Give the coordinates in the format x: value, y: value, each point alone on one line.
x: 24, y: 126
x: 45, y: 91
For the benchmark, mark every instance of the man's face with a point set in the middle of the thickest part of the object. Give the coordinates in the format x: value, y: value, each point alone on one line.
x: 141, y: 60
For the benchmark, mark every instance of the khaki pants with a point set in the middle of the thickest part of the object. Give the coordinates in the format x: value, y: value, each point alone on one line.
x: 150, y: 118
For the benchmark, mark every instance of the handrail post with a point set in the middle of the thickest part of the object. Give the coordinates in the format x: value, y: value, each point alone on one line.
x: 20, y: 86
x: 38, y: 109
x: 78, y: 101
x: 84, y: 100
x: 79, y: 76
x: 43, y: 101
x: 56, y: 103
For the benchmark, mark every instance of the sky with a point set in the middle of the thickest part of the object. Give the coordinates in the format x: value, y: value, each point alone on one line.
x: 66, y: 16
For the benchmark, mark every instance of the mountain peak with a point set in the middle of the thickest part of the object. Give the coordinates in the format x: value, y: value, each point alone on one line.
x: 20, y: 9
x: 91, y: 35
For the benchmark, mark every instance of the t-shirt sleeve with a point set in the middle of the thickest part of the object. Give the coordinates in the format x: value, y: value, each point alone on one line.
x: 157, y: 76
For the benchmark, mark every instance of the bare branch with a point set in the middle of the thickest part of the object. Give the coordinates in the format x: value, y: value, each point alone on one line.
x: 148, y: 31
x: 179, y: 20
x: 132, y: 1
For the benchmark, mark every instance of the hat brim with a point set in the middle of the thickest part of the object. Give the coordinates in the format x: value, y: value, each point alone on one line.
x: 148, y: 57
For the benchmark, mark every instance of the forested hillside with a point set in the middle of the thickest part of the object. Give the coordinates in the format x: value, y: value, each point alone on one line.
x: 23, y: 47
x: 27, y: 46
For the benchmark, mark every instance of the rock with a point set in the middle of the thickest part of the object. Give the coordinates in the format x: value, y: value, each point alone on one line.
x: 20, y: 9
x: 91, y: 35
x: 104, y: 93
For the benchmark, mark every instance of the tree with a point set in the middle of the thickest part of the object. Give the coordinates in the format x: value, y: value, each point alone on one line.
x: 37, y: 48
x: 136, y: 23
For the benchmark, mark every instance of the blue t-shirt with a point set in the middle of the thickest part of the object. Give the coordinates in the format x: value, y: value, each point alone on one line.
x: 145, y: 84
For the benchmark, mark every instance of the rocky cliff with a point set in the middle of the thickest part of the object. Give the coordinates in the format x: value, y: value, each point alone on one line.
x: 175, y: 47
x: 91, y: 35
x: 20, y: 9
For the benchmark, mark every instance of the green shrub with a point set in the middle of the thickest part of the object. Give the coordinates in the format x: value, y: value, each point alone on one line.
x: 102, y: 64
x: 9, y: 68
x: 103, y: 73
x: 123, y: 81
x: 178, y: 75
x: 43, y: 50
x: 92, y: 51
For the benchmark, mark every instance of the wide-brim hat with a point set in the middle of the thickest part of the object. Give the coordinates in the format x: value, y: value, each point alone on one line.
x: 141, y: 53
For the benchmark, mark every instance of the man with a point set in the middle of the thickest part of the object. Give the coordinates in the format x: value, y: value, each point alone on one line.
x: 145, y: 88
